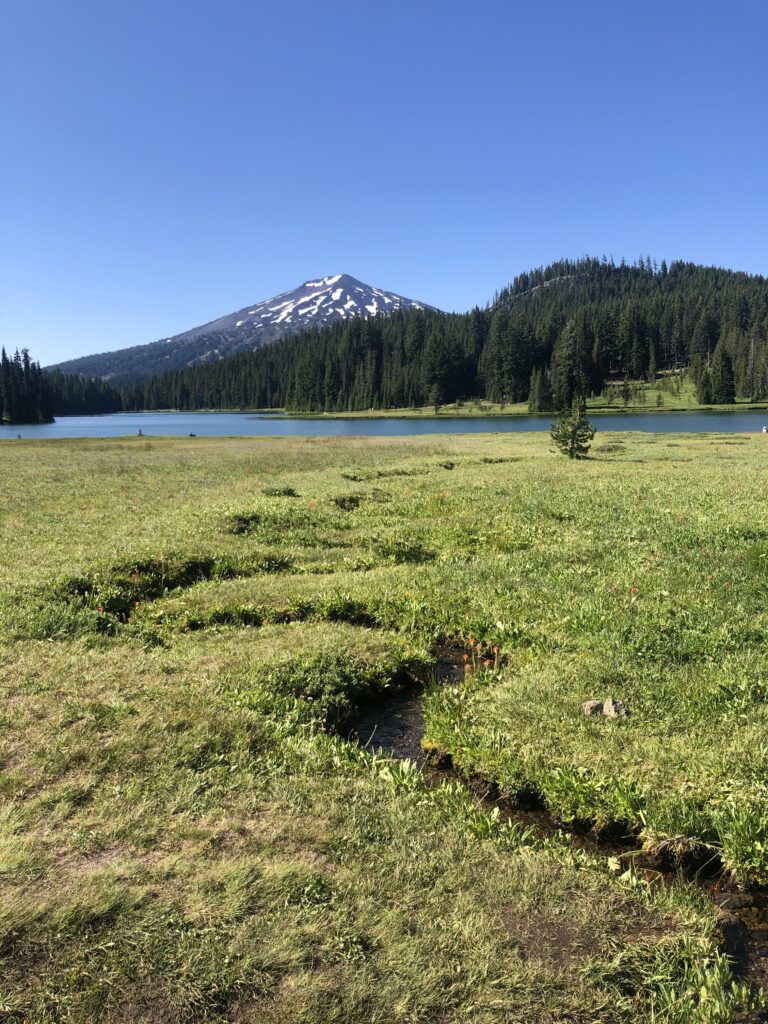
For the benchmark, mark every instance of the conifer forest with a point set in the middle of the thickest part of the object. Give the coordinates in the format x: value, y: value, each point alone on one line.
x: 553, y: 334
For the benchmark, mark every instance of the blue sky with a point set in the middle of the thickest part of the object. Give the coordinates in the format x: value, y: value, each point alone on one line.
x: 165, y: 163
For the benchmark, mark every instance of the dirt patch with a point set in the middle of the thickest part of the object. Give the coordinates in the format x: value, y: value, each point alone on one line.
x: 78, y: 865
x: 558, y: 943
x: 148, y: 1004
x: 555, y: 942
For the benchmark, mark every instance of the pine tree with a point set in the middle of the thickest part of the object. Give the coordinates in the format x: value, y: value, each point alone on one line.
x: 540, y: 396
x: 569, y: 367
x: 572, y: 432
x: 723, y: 388
x: 652, y: 366
x: 704, y: 389
x: 760, y: 379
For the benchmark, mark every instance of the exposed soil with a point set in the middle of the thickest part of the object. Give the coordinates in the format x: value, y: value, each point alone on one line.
x: 556, y: 943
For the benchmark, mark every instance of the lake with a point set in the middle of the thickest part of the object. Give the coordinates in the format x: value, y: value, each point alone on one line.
x: 239, y: 424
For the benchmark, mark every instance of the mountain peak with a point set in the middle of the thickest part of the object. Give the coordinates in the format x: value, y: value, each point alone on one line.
x: 326, y: 281
x: 318, y: 302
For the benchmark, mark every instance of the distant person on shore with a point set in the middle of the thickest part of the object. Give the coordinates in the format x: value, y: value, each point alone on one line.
x: 141, y: 432
x: 765, y: 430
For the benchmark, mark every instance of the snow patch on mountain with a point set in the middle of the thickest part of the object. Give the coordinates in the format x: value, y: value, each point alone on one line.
x: 316, y: 303
x: 326, y: 298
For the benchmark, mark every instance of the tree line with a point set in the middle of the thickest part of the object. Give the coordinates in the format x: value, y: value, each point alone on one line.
x: 555, y: 334
x: 73, y: 395
x: 24, y: 397
x: 31, y: 395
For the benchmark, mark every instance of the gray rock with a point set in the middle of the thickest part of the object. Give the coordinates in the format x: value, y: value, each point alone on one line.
x: 592, y: 707
x: 734, y: 900
x: 614, y: 708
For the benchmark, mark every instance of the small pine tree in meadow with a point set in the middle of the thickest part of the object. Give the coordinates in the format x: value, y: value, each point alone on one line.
x: 572, y: 432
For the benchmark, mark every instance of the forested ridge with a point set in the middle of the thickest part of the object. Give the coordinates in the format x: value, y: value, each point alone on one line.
x: 554, y: 333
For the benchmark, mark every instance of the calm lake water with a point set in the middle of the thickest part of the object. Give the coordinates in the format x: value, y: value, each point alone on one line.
x: 224, y: 424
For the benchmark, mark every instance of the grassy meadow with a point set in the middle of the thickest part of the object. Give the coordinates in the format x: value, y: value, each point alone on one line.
x: 187, y: 628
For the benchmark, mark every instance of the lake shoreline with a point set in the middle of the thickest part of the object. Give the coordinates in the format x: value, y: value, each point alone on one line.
x: 146, y: 425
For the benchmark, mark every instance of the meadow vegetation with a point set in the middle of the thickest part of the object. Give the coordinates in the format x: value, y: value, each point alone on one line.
x: 187, y: 629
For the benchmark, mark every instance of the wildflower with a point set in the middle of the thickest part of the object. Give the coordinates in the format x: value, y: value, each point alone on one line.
x: 633, y: 590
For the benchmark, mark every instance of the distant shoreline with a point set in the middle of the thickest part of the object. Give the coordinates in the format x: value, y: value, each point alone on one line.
x: 451, y: 412
x: 464, y: 412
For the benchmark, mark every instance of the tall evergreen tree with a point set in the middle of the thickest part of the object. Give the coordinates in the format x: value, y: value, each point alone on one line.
x: 723, y: 388
x: 704, y: 388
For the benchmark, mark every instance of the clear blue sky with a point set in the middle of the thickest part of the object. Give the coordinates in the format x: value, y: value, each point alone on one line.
x: 168, y: 162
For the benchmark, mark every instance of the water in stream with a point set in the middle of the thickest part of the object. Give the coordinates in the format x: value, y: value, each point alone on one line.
x: 395, y: 725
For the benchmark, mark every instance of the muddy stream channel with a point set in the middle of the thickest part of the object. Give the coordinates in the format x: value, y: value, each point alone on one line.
x: 395, y: 725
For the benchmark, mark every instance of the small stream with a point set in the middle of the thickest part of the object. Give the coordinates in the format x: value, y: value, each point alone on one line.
x: 395, y: 725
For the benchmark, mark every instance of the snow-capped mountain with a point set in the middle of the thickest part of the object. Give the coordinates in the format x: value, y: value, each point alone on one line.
x: 313, y: 304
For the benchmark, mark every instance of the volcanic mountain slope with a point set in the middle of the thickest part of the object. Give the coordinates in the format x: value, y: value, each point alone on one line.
x: 313, y: 304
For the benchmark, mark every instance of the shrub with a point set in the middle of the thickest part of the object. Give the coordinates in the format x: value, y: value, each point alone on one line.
x: 280, y: 492
x: 572, y: 433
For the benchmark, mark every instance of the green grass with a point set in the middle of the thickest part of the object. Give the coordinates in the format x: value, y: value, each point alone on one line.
x: 186, y: 629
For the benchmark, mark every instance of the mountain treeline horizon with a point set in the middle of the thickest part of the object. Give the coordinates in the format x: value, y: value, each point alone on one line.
x: 556, y: 334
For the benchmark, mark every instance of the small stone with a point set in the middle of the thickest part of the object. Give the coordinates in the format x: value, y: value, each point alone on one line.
x: 614, y: 708
x: 592, y: 707
x: 734, y: 901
